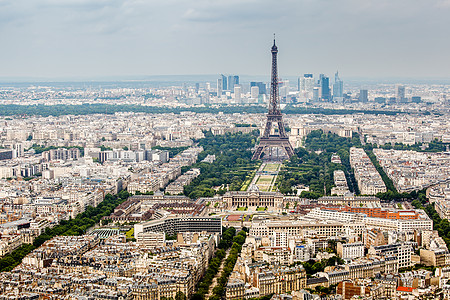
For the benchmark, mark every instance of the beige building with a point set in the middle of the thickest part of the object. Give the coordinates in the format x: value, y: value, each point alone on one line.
x: 281, y: 280
x: 151, y: 239
x: 349, y: 199
x: 435, y: 257
x: 253, y: 197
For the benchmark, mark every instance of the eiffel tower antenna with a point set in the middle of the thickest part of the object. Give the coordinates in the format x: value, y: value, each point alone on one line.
x: 280, y: 138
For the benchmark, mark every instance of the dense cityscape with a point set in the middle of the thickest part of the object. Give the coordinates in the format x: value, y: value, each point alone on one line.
x: 174, y: 150
x: 152, y: 193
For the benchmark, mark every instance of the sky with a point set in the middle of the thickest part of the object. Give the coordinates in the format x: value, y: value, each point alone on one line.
x: 106, y: 38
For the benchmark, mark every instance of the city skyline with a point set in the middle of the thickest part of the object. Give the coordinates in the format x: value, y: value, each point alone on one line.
x: 86, y: 39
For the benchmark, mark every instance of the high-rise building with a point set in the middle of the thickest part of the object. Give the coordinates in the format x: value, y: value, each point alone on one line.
x: 254, y: 92
x: 363, y: 96
x: 197, y: 87
x: 283, y: 87
x: 307, y: 83
x: 232, y: 81
x: 237, y: 94
x: 224, y: 82
x: 400, y: 97
x: 219, y: 87
x: 315, y: 97
x: 324, y: 85
x: 338, y: 88
x: 261, y: 86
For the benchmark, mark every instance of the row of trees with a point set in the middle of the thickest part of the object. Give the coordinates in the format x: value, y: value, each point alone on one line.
x: 219, y: 289
x: 232, y: 164
x: 387, y: 181
x: 214, y: 264
x: 76, y: 226
x: 392, y: 194
x: 99, y: 108
x: 441, y: 225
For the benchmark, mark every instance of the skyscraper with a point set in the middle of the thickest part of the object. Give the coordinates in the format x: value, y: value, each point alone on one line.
x: 237, y: 94
x: 261, y: 86
x: 254, y: 92
x: 315, y: 97
x: 338, y: 88
x: 224, y: 82
x: 400, y: 97
x: 232, y: 81
x: 283, y: 88
x: 307, y: 83
x: 219, y: 87
x: 363, y: 96
x: 324, y: 85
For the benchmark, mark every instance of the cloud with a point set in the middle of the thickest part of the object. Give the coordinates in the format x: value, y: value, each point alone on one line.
x: 132, y: 37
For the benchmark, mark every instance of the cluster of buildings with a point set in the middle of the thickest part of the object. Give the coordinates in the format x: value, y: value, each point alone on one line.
x: 141, y: 208
x: 412, y: 170
x: 38, y: 190
x: 176, y: 187
x: 375, y: 244
x: 366, y: 175
x: 86, y: 267
x: 105, y: 265
x: 440, y: 195
x: 131, y: 131
x: 158, y: 177
x: 231, y: 89
x: 380, y: 249
x: 404, y: 128
x: 340, y: 183
x: 377, y: 129
x: 28, y: 207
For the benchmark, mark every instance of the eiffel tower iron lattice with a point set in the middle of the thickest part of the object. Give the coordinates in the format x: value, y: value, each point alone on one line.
x: 280, y: 138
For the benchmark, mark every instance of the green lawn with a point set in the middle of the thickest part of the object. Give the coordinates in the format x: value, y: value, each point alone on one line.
x: 130, y: 233
x: 271, y: 167
x: 241, y: 208
x: 261, y: 209
x: 264, y: 179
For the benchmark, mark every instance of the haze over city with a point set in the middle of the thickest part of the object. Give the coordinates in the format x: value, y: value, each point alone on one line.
x: 79, y: 39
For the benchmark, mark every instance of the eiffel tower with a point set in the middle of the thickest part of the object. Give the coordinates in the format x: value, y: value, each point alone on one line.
x: 278, y: 139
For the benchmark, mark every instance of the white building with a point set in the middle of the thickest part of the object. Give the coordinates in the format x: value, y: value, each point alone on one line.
x: 350, y: 250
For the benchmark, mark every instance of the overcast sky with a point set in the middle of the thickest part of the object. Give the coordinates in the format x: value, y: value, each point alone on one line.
x: 91, y: 38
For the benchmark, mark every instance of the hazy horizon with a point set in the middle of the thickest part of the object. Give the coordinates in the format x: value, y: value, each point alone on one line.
x: 211, y: 78
x: 122, y: 38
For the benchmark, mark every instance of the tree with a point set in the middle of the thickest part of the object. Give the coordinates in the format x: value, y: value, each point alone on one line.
x: 180, y: 296
x: 197, y: 296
